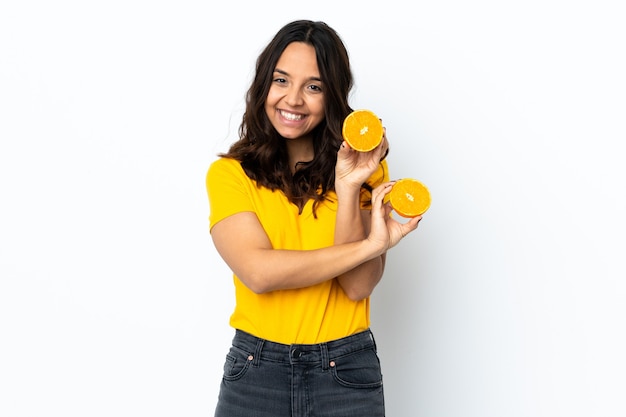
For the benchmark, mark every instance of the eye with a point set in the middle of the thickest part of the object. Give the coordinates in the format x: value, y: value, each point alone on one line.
x: 315, y: 88
x: 280, y: 80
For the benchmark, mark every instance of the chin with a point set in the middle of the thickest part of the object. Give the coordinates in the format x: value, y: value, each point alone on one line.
x: 290, y: 137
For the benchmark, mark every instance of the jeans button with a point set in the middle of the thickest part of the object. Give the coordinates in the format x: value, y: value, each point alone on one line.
x: 296, y: 353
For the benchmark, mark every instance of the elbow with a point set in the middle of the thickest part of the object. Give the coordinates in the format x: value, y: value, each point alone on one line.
x: 256, y: 282
x: 357, y: 293
x: 359, y: 297
x: 358, y: 288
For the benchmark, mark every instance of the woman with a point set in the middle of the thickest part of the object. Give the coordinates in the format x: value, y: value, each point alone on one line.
x: 299, y: 218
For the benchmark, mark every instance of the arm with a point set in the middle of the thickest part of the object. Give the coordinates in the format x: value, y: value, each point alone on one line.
x: 354, y: 168
x: 262, y: 268
x: 353, y: 225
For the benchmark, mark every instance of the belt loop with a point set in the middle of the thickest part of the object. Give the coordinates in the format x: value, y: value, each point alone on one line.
x: 325, y: 358
x: 257, y: 352
x: 373, y: 340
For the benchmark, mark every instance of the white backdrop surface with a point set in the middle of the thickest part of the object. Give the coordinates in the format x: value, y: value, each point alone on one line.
x: 508, y: 301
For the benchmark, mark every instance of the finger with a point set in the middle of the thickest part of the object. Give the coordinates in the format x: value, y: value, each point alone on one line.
x: 379, y: 193
x: 383, y: 188
x: 388, y: 209
x: 411, y: 225
x: 383, y: 148
x: 344, y: 149
x: 345, y: 146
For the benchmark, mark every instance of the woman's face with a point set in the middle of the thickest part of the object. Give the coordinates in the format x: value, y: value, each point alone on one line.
x: 295, y: 101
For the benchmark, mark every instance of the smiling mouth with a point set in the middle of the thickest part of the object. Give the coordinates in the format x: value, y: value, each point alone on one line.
x: 291, y: 116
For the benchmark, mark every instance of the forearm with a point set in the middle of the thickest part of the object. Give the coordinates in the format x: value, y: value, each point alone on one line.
x: 352, y: 225
x: 289, y: 269
x: 262, y: 268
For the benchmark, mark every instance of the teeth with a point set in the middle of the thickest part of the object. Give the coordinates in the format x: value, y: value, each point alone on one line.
x: 291, y: 116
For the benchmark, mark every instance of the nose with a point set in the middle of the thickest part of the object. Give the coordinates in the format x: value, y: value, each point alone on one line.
x: 294, y: 97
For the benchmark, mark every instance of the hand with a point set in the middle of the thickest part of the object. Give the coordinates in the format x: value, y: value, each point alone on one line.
x: 353, y: 168
x: 385, y: 230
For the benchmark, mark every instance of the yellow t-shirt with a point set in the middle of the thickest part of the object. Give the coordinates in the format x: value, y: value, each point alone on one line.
x: 313, y: 314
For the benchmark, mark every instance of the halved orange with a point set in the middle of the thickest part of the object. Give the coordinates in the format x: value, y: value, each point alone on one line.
x: 409, y: 197
x: 363, y: 130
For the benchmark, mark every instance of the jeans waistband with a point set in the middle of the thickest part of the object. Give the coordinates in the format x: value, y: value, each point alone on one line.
x: 261, y: 349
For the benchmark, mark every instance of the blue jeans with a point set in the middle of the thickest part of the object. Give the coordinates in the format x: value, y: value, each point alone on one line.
x: 340, y: 378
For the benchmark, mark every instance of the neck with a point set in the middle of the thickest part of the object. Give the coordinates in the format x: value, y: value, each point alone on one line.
x: 299, y: 150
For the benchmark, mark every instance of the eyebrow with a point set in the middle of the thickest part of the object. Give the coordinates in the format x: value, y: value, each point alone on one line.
x: 278, y: 70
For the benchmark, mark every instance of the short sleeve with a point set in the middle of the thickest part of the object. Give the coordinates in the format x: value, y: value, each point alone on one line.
x: 380, y: 176
x: 227, y: 188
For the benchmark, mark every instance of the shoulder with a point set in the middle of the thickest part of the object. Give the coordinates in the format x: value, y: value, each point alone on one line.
x: 223, y: 165
x: 225, y: 168
x: 224, y: 173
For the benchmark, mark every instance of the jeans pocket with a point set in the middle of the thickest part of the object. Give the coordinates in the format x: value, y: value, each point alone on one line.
x: 358, y: 370
x: 236, y: 364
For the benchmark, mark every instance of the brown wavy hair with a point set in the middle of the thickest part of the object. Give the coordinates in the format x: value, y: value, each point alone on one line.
x: 262, y: 151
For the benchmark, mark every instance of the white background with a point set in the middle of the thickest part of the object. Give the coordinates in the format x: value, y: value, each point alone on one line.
x: 509, y: 299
